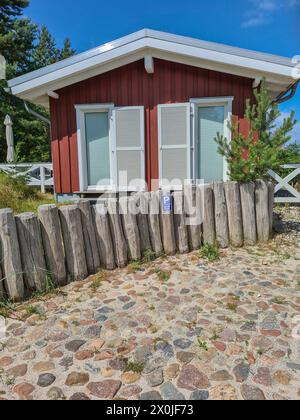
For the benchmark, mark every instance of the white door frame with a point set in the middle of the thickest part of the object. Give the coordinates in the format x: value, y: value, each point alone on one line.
x: 207, y: 102
x: 81, y: 110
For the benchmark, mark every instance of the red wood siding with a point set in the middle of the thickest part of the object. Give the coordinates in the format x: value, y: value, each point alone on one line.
x: 128, y: 86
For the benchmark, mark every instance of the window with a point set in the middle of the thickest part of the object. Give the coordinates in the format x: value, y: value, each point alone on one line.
x: 186, y: 133
x: 110, y: 147
x: 97, y: 144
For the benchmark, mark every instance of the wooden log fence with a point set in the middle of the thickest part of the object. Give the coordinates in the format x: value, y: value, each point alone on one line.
x: 72, y: 242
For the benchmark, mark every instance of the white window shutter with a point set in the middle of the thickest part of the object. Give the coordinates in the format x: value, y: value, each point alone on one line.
x: 174, y: 136
x: 129, y: 147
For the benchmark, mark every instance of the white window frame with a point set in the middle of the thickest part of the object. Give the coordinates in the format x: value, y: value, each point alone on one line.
x: 186, y: 146
x: 141, y: 148
x: 81, y: 110
x: 196, y: 103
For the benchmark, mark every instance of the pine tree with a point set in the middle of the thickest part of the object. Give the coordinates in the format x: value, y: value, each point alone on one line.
x: 250, y: 158
x: 25, y: 48
x: 67, y: 50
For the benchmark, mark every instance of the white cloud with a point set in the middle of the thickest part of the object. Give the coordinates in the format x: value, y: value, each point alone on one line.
x: 262, y: 12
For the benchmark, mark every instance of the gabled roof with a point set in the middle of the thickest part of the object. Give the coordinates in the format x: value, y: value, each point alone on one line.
x: 37, y: 85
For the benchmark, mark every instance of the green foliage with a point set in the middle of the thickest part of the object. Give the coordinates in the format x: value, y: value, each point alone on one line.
x: 135, y: 367
x: 263, y: 144
x: 26, y: 47
x: 210, y: 252
x: 17, y: 195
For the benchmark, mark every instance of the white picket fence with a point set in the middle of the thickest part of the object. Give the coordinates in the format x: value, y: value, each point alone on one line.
x: 41, y: 175
x: 38, y: 174
x: 283, y: 184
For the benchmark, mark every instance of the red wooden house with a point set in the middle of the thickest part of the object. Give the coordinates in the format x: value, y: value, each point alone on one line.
x: 150, y: 105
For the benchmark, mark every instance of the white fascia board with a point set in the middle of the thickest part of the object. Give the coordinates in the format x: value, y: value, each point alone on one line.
x: 166, y: 46
x: 80, y: 67
x: 220, y: 57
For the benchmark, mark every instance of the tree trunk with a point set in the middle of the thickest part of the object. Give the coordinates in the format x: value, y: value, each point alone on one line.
x: 128, y: 210
x: 120, y: 246
x: 262, y: 211
x: 104, y: 237
x: 154, y: 223
x: 209, y: 228
x: 181, y: 233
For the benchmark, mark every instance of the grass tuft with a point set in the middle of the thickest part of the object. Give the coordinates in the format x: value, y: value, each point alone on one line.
x: 134, y: 367
x: 210, y: 252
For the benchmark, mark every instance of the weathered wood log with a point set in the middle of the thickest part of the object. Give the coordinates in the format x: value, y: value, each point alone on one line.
x: 181, y: 233
x: 32, y: 252
x: 128, y: 210
x: 154, y: 222
x: 11, y: 265
x: 90, y: 241
x: 247, y: 191
x: 53, y: 243
x: 192, y: 205
x: 234, y: 210
x: 104, y: 237
x: 262, y: 211
x: 2, y: 290
x: 221, y: 216
x: 119, y: 241
x: 167, y: 230
x: 271, y: 188
x: 74, y: 242
x: 209, y: 228
x: 142, y: 220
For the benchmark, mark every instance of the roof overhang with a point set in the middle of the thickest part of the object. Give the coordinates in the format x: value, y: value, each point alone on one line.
x: 35, y: 86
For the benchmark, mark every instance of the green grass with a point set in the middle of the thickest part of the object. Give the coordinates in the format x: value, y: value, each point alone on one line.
x: 161, y: 274
x: 134, y: 367
x: 203, y: 344
x: 6, y: 307
x: 18, y: 196
x: 210, y: 252
x: 32, y: 310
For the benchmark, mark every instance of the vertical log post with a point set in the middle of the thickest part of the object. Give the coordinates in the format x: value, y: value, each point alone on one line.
x: 90, y: 241
x: 191, y: 205
x: 53, y: 243
x: 120, y: 246
x: 154, y: 222
x: 167, y: 229
x: 262, y: 211
x: 12, y: 265
x: 181, y: 233
x: 32, y: 252
x: 128, y: 210
x: 2, y: 290
x: 271, y: 188
x: 247, y: 191
x: 142, y: 220
x: 234, y: 210
x: 221, y: 216
x: 104, y: 237
x: 209, y: 228
x: 74, y: 242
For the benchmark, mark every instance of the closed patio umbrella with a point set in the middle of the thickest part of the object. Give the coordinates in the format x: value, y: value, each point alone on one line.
x: 9, y: 139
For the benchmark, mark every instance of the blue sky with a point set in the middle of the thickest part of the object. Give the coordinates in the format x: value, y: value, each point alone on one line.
x: 265, y: 25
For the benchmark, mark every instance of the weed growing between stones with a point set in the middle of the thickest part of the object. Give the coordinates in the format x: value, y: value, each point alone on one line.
x: 210, y: 252
x: 6, y: 307
x: 134, y: 367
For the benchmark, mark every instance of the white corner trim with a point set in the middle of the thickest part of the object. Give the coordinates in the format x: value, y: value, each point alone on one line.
x: 52, y: 94
x: 149, y: 64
